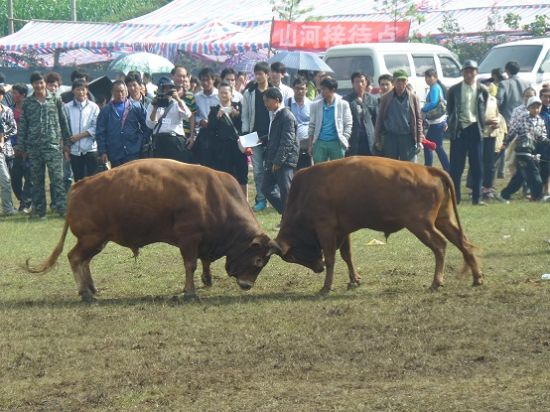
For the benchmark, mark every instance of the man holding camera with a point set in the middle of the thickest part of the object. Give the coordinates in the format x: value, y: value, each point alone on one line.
x: 165, y: 116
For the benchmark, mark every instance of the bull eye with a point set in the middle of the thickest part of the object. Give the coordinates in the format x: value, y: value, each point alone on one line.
x: 258, y: 261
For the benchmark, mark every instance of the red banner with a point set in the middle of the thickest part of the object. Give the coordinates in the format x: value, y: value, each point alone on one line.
x: 319, y: 36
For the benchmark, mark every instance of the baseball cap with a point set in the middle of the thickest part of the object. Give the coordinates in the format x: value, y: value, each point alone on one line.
x: 470, y: 64
x: 400, y: 75
x: 533, y: 100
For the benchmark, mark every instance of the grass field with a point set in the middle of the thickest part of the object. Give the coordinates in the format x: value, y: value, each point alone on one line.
x: 390, y: 345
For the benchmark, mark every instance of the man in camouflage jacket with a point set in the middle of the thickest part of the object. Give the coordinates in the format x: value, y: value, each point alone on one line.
x: 42, y: 130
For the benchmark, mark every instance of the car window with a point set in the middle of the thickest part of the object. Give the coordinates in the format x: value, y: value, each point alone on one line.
x: 423, y: 63
x: 397, y: 61
x: 449, y: 67
x: 545, y: 64
x: 525, y: 55
x: 344, y: 66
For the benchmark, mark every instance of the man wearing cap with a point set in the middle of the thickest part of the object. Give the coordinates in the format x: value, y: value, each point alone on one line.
x: 165, y: 116
x: 282, y: 151
x: 398, y: 129
x: 530, y: 134
x: 466, y: 103
x: 120, y: 128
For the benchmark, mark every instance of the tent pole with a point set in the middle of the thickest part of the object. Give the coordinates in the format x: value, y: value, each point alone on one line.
x: 270, y: 36
x: 10, y: 16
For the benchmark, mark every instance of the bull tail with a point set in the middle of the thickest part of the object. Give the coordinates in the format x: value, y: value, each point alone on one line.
x: 447, y: 181
x: 52, y: 259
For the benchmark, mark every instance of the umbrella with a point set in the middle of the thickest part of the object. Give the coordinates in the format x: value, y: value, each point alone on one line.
x: 245, y: 62
x: 142, y: 62
x: 301, y: 61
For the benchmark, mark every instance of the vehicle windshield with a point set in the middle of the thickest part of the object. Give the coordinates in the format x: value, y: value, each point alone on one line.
x: 525, y: 55
x: 344, y: 67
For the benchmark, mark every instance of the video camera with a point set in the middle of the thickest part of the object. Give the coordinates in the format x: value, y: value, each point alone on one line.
x: 166, y: 88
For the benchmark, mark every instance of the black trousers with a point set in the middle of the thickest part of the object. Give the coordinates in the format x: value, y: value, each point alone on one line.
x: 281, y: 178
x: 467, y: 144
x: 170, y: 146
x: 21, y: 180
x: 84, y: 165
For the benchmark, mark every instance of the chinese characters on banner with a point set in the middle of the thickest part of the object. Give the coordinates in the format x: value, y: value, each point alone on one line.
x: 322, y: 35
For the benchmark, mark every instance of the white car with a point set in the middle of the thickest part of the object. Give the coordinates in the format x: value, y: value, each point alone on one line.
x: 532, y: 55
x: 375, y: 59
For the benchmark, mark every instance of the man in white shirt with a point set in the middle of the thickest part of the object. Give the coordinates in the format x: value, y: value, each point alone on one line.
x: 205, y: 99
x: 82, y: 118
x: 165, y: 116
x: 276, y: 75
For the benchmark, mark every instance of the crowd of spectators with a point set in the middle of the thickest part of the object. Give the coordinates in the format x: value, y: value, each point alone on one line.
x: 199, y: 119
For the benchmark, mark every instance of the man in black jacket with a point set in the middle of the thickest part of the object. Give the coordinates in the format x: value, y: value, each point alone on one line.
x: 364, y: 109
x: 282, y: 150
x: 466, y: 103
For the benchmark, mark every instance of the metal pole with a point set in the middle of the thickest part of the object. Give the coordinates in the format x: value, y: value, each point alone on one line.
x: 10, y: 17
x: 73, y: 10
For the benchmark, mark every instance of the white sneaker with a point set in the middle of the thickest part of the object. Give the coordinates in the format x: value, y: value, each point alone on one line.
x: 546, y: 199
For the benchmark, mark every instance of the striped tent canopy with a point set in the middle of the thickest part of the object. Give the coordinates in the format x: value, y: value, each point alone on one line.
x: 471, y: 15
x: 206, y: 37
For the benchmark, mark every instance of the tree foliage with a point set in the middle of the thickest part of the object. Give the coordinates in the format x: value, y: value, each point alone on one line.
x: 97, y: 10
x: 400, y: 10
x: 290, y: 10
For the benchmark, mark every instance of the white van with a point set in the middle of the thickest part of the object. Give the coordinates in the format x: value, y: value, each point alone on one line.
x: 533, y: 56
x: 375, y: 59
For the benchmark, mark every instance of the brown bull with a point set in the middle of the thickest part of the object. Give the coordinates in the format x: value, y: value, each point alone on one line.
x: 201, y: 211
x: 329, y: 201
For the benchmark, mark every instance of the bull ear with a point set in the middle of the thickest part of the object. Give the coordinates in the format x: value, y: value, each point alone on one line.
x: 275, y: 248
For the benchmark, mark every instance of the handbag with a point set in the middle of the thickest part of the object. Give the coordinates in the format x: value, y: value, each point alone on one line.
x: 438, y: 111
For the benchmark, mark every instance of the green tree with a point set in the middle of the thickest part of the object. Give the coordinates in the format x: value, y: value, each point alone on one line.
x: 400, y: 10
x: 539, y: 26
x: 290, y: 10
x: 97, y: 10
x: 512, y: 20
x: 451, y: 28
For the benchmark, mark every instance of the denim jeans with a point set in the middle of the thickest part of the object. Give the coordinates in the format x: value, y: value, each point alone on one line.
x: 435, y: 134
x: 5, y: 186
x: 258, y: 166
x: 527, y: 171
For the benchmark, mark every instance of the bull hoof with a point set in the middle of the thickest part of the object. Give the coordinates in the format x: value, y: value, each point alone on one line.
x: 435, y: 287
x: 190, y: 297
x: 353, y: 285
x: 206, y: 280
x: 478, y: 282
x: 87, y: 296
x: 324, y: 291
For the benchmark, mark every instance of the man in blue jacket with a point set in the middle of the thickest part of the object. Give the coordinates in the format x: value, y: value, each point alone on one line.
x: 121, y: 128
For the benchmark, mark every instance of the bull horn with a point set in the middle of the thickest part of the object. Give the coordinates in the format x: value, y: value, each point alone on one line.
x: 276, y: 248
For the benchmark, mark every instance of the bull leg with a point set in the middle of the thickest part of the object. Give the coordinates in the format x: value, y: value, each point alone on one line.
x: 431, y: 237
x: 345, y: 252
x: 452, y: 232
x: 79, y: 258
x: 190, y: 263
x: 328, y: 245
x: 206, y: 274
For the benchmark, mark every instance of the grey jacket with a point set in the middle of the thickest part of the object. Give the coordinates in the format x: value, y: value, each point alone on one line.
x: 343, y: 120
x: 510, y: 95
x: 282, y: 146
x: 362, y: 112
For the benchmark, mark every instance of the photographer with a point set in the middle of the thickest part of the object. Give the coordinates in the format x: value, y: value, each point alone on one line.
x: 165, y: 116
